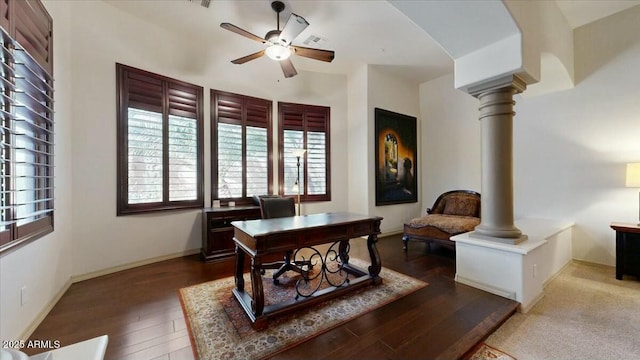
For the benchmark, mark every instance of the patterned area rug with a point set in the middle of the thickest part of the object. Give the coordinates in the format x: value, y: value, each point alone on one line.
x: 219, y: 328
x: 486, y: 352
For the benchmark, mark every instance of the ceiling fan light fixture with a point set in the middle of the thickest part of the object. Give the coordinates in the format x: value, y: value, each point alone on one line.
x: 278, y: 52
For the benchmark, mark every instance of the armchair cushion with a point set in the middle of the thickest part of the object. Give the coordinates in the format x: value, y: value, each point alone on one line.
x: 462, y: 205
x: 452, y: 224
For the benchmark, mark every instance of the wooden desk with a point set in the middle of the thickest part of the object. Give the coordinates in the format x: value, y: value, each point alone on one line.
x: 627, y: 249
x: 258, y: 238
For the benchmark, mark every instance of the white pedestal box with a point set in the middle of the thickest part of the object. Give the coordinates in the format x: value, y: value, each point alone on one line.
x: 517, y: 272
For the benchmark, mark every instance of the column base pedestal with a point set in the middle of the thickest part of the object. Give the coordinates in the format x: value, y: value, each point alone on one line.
x: 502, y: 240
x: 515, y: 271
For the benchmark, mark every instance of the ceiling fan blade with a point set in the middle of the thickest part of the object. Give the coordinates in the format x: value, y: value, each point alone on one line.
x: 244, y: 59
x: 294, y: 26
x: 245, y: 33
x: 317, y: 54
x: 287, y: 68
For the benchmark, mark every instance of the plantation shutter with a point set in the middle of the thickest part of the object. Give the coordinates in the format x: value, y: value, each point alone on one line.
x: 317, y: 146
x: 292, y: 117
x: 144, y: 138
x: 183, y: 143
x: 161, y: 150
x: 26, y: 118
x: 305, y: 127
x: 241, y: 135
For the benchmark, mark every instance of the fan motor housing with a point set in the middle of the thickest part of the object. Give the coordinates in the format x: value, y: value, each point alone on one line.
x: 272, y: 36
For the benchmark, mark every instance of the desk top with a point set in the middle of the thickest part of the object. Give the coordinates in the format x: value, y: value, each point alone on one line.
x: 260, y: 227
x: 625, y: 227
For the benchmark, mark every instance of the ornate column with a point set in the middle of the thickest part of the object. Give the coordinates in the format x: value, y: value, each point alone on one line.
x: 496, y: 117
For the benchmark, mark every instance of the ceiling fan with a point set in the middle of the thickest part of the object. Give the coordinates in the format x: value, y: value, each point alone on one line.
x: 279, y: 42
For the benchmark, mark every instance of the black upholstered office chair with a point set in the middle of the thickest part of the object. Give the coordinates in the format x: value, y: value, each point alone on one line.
x: 277, y: 207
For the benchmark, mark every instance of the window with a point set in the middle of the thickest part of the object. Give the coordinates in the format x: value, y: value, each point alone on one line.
x: 241, y: 147
x: 304, y: 127
x: 160, y: 142
x: 26, y: 124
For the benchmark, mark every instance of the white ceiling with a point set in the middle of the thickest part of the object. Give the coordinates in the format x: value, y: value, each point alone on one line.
x: 360, y: 32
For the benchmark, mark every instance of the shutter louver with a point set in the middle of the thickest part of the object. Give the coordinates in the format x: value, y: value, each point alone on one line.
x: 144, y: 156
x: 4, y: 14
x: 257, y: 161
x: 292, y: 117
x: 229, y: 160
x: 229, y: 109
x: 6, y: 118
x: 183, y: 101
x: 293, y: 139
x: 144, y: 92
x: 316, y: 163
x: 33, y: 31
x: 183, y: 143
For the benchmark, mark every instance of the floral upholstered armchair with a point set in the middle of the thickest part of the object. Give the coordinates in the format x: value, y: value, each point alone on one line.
x: 454, y: 212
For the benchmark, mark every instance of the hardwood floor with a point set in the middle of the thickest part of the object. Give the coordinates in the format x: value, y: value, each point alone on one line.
x: 140, y: 311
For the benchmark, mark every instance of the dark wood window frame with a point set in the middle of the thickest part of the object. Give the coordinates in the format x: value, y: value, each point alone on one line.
x: 304, y: 118
x: 175, y: 97
x: 241, y: 110
x: 27, y: 124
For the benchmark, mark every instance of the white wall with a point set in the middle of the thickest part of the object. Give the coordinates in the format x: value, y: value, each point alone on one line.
x: 450, y: 140
x: 391, y: 93
x: 360, y: 145
x: 103, y: 35
x: 570, y: 147
x: 44, y: 265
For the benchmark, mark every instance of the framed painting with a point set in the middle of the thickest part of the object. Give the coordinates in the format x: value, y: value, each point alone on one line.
x: 396, y: 158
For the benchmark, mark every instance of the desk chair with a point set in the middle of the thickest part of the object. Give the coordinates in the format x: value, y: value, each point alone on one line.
x: 277, y: 207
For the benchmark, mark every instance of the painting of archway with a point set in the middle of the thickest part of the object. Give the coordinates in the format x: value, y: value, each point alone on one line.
x: 395, y: 158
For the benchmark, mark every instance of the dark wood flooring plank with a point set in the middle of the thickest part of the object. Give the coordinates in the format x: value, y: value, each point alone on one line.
x: 446, y: 333
x: 320, y: 346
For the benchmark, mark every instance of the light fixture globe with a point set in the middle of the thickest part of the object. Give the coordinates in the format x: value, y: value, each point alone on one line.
x: 278, y: 52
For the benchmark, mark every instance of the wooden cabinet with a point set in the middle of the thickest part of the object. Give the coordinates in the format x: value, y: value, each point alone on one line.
x: 217, y: 232
x: 627, y: 249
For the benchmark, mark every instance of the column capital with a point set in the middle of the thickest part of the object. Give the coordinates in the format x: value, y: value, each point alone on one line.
x: 511, y: 81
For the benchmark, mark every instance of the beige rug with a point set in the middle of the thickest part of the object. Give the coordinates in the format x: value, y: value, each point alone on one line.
x: 585, y: 314
x: 220, y: 329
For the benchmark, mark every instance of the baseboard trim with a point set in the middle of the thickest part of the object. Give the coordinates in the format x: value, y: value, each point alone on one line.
x: 525, y: 309
x: 45, y: 311
x: 488, y: 288
x: 584, y: 262
x: 556, y: 274
x: 385, y: 234
x: 111, y: 270
x: 391, y: 232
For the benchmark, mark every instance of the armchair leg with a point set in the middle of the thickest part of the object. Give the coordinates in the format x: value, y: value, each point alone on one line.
x: 405, y: 243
